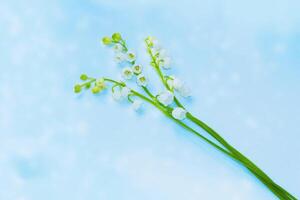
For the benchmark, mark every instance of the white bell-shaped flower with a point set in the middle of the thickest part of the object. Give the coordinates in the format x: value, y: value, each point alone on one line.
x: 179, y: 113
x: 166, y: 98
x: 118, y: 48
x: 185, y: 91
x: 131, y: 56
x: 127, y: 73
x: 125, y: 91
x: 141, y: 80
x: 120, y: 57
x: 165, y: 62
x: 137, y: 104
x: 177, y: 83
x: 117, y: 95
x: 181, y: 87
x: 137, y: 69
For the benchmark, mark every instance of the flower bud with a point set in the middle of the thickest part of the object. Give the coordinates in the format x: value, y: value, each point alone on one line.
x: 96, y: 89
x: 87, y: 85
x: 116, y: 37
x: 77, y: 88
x: 83, y: 77
x: 106, y: 40
x: 179, y: 113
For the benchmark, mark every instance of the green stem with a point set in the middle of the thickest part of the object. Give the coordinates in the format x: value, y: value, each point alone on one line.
x: 245, y: 161
x: 228, y: 153
x: 225, y: 151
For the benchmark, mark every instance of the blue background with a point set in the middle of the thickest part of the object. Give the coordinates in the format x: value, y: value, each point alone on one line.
x: 241, y: 59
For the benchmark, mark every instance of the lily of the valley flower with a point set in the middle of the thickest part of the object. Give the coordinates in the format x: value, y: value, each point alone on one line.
x: 118, y: 48
x: 180, y: 86
x: 185, y: 91
x: 165, y: 62
x: 179, y: 113
x: 120, y: 57
x: 137, y: 69
x: 125, y: 91
x: 127, y: 73
x: 166, y: 98
x: 141, y: 80
x: 137, y: 104
x: 117, y: 95
x: 131, y: 57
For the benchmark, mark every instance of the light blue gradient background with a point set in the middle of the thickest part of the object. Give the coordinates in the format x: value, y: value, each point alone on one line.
x: 242, y: 59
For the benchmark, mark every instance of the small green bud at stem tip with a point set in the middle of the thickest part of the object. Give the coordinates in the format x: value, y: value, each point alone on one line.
x: 84, y: 77
x: 77, y: 88
x: 116, y: 37
x: 106, y: 40
x: 96, y: 90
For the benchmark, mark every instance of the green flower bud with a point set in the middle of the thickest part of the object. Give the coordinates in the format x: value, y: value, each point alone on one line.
x: 77, y: 88
x: 96, y: 90
x: 100, y: 81
x: 88, y: 85
x: 106, y: 40
x: 116, y: 37
x: 84, y: 77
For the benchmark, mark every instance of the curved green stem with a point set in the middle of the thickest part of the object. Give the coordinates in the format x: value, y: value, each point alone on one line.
x: 247, y: 162
x: 226, y: 152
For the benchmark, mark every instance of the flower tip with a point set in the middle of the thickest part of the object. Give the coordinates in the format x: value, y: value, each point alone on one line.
x: 106, y: 40
x: 96, y: 89
x: 77, y: 88
x: 83, y: 77
x: 116, y: 37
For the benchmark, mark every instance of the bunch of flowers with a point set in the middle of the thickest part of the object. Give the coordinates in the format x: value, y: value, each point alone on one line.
x: 167, y: 101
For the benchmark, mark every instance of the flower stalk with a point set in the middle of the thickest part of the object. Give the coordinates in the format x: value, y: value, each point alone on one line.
x: 167, y: 101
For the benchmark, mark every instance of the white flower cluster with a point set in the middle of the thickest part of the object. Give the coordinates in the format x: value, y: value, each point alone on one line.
x: 159, y: 59
x: 161, y: 54
x: 128, y: 73
x: 123, y: 93
x: 166, y: 98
